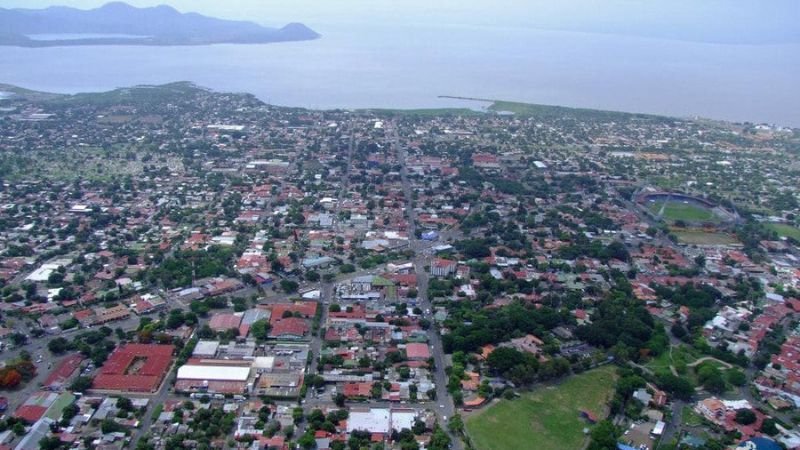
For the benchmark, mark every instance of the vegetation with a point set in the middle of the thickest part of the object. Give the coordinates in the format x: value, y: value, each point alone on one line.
x: 551, y: 417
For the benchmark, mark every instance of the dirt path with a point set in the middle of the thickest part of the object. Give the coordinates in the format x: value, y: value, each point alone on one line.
x: 710, y: 358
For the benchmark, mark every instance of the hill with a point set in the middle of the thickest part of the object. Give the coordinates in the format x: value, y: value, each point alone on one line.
x: 118, y: 23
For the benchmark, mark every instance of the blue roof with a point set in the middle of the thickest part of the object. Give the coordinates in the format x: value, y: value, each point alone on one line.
x: 624, y: 447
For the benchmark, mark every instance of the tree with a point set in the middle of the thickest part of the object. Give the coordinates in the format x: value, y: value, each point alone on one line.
x: 307, y: 441
x: 51, y: 443
x: 769, y: 427
x: 456, y: 424
x: 125, y: 404
x: 678, y: 386
x: 260, y: 329
x: 745, y: 416
x: 439, y: 439
x: 289, y: 286
x: 18, y: 428
x: 339, y: 399
x: 312, y: 276
x: 736, y: 377
x: 81, y: 384
x: 604, y: 436
x: 502, y: 359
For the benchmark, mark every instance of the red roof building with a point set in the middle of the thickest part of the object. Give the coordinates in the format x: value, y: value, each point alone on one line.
x: 64, y: 371
x: 418, y: 352
x: 290, y: 328
x: 30, y: 413
x: 224, y: 322
x: 357, y: 390
x: 304, y: 309
x: 135, y: 368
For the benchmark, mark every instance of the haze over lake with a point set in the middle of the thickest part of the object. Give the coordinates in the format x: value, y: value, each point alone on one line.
x: 409, y: 65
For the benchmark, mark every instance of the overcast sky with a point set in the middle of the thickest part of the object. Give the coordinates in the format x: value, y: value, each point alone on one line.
x: 683, y: 19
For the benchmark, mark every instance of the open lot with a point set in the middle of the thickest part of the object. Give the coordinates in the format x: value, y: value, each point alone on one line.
x: 678, y: 210
x: 548, y: 416
x: 698, y: 237
x: 784, y: 230
x: 679, y: 357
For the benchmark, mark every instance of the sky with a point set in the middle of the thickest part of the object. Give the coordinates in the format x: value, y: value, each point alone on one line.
x: 729, y: 21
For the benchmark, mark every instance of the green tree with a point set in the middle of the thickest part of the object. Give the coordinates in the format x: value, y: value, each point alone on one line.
x: 745, y: 416
x: 260, y: 329
x: 456, y: 424
x: 81, y: 384
x: 604, y: 436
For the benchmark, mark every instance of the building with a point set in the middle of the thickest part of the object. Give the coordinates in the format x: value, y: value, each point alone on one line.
x: 105, y: 315
x: 224, y: 322
x: 380, y: 421
x: 290, y: 328
x: 442, y: 267
x: 215, y: 376
x: 135, y: 368
x: 418, y: 352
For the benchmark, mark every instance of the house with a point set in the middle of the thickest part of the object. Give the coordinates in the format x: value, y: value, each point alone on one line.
x: 418, y: 352
x: 357, y: 390
x: 289, y: 328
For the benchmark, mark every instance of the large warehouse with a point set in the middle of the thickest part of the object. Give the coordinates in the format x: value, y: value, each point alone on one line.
x: 233, y: 378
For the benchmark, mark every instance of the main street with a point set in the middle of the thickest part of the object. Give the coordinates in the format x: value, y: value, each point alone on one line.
x: 446, y: 409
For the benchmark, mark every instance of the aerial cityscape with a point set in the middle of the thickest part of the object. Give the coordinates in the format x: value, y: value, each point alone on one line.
x: 192, y: 268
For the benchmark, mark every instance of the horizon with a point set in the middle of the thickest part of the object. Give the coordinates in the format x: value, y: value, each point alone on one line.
x: 743, y: 22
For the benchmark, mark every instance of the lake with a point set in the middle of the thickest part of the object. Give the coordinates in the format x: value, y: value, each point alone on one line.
x: 408, y: 66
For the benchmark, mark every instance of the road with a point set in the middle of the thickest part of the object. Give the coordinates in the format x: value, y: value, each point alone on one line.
x: 446, y: 408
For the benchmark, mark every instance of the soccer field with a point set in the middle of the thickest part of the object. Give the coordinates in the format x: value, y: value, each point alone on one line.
x: 675, y: 210
x: 549, y: 418
x: 785, y: 230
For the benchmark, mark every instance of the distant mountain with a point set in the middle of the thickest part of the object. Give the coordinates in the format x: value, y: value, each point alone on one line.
x: 118, y: 23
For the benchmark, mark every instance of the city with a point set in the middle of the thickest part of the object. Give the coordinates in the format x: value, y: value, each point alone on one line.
x: 182, y: 268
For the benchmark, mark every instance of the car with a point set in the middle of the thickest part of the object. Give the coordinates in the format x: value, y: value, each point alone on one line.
x: 441, y: 406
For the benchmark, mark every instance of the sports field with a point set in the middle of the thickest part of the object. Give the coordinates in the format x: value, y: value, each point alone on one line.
x: 698, y: 237
x: 784, y: 230
x: 549, y: 418
x: 678, y: 210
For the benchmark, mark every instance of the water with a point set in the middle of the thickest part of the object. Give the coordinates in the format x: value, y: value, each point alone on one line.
x: 79, y: 36
x: 408, y: 66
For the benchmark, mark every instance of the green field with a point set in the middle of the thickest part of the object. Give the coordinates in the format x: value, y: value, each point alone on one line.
x: 784, y: 230
x: 690, y: 418
x: 675, y: 210
x: 547, y: 418
x: 704, y: 237
x: 678, y: 356
x: 425, y: 112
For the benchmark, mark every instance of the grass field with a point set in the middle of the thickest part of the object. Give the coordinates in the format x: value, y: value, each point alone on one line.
x: 784, y: 230
x: 704, y: 237
x: 675, y: 210
x: 690, y: 418
x: 426, y: 112
x: 547, y: 418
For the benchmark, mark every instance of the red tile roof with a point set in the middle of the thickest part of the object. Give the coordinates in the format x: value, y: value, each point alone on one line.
x: 289, y: 326
x: 30, y: 413
x: 119, y: 372
x: 418, y: 351
x: 306, y: 309
x: 352, y: 390
x: 224, y: 322
x: 64, y: 370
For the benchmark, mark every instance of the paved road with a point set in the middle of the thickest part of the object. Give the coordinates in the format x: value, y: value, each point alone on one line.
x: 445, y: 407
